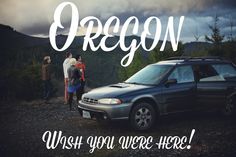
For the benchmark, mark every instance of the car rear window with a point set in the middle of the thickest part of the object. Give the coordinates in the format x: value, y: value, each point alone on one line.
x: 215, y: 72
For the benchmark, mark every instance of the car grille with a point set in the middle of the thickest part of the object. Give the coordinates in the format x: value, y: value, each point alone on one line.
x: 89, y: 100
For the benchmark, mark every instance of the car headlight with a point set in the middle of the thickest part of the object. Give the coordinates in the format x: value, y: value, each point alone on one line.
x: 82, y: 97
x: 109, y: 101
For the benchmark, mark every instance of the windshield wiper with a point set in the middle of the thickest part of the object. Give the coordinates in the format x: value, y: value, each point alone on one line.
x: 139, y: 83
x: 132, y: 83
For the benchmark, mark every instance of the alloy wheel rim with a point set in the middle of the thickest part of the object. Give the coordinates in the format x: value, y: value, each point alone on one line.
x: 143, y: 117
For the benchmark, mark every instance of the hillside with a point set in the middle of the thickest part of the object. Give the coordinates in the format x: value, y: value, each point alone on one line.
x: 21, y: 58
x: 11, y: 39
x: 18, y: 50
x: 192, y: 47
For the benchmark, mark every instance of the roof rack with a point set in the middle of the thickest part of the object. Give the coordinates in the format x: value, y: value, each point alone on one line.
x: 187, y: 58
x: 179, y: 58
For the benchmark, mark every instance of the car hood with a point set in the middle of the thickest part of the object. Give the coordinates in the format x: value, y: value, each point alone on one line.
x: 114, y: 90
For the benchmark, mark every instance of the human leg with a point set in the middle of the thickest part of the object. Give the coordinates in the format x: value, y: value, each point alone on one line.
x: 70, y: 99
x: 80, y: 91
x: 66, y: 90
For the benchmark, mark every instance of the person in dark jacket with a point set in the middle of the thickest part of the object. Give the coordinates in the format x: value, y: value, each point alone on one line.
x: 74, y: 80
x: 81, y: 66
x: 46, y: 78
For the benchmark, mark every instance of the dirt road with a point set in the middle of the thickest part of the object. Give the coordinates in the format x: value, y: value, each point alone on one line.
x: 23, y: 124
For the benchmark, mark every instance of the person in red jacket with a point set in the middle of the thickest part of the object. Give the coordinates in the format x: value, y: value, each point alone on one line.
x: 80, y: 65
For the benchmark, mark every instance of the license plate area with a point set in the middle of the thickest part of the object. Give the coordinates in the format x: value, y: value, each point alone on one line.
x: 86, y: 114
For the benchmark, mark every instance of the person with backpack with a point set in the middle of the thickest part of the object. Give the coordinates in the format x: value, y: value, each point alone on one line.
x: 81, y: 66
x: 74, y: 80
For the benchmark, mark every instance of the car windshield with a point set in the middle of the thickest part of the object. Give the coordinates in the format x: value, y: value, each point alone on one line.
x: 150, y: 75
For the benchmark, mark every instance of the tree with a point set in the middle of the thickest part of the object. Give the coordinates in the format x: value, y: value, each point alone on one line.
x: 138, y: 63
x: 231, y: 37
x: 140, y: 60
x: 196, y: 35
x: 156, y: 55
x: 216, y: 38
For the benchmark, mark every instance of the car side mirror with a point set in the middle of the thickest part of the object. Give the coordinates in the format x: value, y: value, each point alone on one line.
x: 170, y: 81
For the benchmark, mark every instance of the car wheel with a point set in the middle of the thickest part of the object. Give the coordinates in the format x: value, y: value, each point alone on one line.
x: 142, y: 116
x: 228, y: 108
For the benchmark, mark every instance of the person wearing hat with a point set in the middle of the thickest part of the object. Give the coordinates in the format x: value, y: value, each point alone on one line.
x: 46, y: 78
x: 74, y: 80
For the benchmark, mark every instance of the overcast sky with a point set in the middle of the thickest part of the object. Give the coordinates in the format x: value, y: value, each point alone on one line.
x: 35, y: 17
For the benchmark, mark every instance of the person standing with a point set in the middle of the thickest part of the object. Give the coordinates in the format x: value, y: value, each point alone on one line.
x: 66, y: 65
x: 46, y: 78
x: 81, y: 66
x: 74, y: 80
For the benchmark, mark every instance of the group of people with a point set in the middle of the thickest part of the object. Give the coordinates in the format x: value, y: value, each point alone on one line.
x: 74, y: 75
x: 74, y: 78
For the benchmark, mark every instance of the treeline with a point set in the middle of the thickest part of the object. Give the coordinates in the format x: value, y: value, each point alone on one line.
x: 141, y: 59
x: 20, y: 74
x: 21, y: 83
x: 223, y: 46
x: 20, y: 70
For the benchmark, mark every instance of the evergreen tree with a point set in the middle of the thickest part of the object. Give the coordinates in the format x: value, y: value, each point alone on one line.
x: 216, y: 38
x: 156, y: 55
x: 138, y: 63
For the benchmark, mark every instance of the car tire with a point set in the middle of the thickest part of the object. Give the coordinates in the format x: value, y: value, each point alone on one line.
x: 229, y: 107
x: 142, y: 116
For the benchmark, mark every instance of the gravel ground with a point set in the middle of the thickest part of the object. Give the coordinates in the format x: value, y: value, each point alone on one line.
x: 23, y: 124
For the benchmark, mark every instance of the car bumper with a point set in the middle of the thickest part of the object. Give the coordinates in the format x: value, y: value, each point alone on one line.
x: 111, y: 112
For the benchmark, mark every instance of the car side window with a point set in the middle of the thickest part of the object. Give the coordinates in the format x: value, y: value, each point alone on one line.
x: 225, y: 70
x: 182, y: 74
x: 215, y: 72
x: 205, y: 73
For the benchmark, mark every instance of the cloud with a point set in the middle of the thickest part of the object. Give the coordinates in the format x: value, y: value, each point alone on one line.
x: 35, y: 17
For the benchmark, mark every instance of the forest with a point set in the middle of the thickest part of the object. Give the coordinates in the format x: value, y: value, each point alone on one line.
x: 21, y: 58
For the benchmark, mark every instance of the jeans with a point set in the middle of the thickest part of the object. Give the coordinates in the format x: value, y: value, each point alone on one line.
x: 47, y: 89
x: 79, y: 93
x: 66, y: 92
x: 70, y: 99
